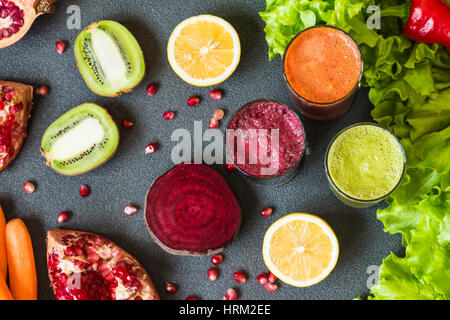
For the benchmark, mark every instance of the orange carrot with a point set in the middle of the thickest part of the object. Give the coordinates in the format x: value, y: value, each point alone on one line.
x: 3, y: 257
x: 21, y: 265
x: 5, y: 294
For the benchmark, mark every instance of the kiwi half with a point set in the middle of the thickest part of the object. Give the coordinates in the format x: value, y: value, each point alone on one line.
x: 80, y: 140
x: 109, y: 58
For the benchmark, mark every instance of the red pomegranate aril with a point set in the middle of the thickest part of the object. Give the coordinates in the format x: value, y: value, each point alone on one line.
x: 193, y: 101
x: 14, y: 109
x: 191, y: 298
x: 271, y: 287
x: 63, y: 217
x: 168, y: 115
x: 60, y: 47
x: 230, y: 167
x: 93, y: 257
x: 84, y: 191
x: 130, y: 210
x: 266, y: 212
x: 272, y: 278
x: 42, y: 91
x: 28, y: 186
x: 239, y: 277
x: 9, y: 96
x: 14, y: 28
x: 212, y: 274
x: 152, y: 89
x: 216, y: 259
x: 214, y: 123
x: 127, y: 123
x: 215, y: 94
x: 171, y: 288
x: 262, y: 278
x: 150, y: 148
x: 231, y: 294
x: 218, y: 114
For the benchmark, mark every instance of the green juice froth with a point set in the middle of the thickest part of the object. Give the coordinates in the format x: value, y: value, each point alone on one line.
x: 366, y: 162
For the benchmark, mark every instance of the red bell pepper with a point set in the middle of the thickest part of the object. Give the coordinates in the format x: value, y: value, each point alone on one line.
x: 429, y: 22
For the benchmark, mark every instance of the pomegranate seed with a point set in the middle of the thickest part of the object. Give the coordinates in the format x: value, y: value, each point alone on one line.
x: 9, y: 96
x: 271, y: 277
x: 191, y: 298
x: 212, y: 274
x: 29, y: 187
x: 127, y: 123
x: 193, y: 101
x: 271, y: 287
x: 42, y: 91
x: 60, y: 47
x: 215, y: 94
x: 266, y: 212
x: 151, y: 89
x: 171, y: 288
x: 218, y: 114
x: 230, y: 167
x: 168, y: 115
x: 130, y: 210
x: 150, y: 148
x: 84, y: 191
x: 213, y: 123
x: 216, y: 259
x: 231, y: 294
x: 239, y: 277
x: 262, y: 278
x: 63, y: 217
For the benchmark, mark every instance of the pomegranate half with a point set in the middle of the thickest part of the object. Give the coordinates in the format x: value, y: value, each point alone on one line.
x: 17, y: 16
x: 15, y: 107
x: 191, y: 210
x: 86, y: 266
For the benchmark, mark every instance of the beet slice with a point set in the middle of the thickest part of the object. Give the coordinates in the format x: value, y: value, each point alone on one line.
x: 191, y: 210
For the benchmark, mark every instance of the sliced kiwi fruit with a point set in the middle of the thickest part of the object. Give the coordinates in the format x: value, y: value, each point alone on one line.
x: 80, y: 140
x: 109, y: 58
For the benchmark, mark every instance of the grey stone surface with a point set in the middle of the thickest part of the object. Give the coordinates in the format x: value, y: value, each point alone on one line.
x: 126, y: 177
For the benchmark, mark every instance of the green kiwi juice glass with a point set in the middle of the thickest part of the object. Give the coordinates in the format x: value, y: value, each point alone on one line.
x: 364, y: 164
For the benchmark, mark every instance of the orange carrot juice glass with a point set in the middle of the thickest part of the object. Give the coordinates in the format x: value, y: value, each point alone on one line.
x: 322, y: 67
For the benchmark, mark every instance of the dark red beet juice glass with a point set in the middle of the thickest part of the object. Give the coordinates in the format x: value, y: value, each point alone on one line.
x: 266, y: 141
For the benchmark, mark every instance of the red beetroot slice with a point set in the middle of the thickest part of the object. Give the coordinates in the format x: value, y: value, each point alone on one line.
x: 191, y: 210
x: 86, y: 266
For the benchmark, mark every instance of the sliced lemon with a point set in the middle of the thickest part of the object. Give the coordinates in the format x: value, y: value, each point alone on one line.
x: 204, y: 50
x: 300, y: 249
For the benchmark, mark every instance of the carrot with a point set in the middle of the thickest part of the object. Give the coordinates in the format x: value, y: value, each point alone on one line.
x: 3, y: 257
x: 21, y: 265
x: 5, y: 294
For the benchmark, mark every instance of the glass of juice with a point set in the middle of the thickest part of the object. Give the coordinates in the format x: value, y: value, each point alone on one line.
x: 322, y: 68
x: 364, y: 164
x: 266, y: 142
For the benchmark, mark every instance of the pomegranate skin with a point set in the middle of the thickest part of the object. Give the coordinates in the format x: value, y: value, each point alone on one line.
x: 203, y: 217
x: 85, y: 266
x: 22, y: 18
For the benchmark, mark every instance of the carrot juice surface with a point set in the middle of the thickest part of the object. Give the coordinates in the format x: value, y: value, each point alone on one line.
x: 323, y: 64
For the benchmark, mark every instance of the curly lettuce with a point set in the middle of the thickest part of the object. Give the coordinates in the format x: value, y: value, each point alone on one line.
x: 410, y: 90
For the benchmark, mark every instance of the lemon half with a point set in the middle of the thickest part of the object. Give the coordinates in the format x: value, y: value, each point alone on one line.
x: 300, y: 249
x: 204, y: 50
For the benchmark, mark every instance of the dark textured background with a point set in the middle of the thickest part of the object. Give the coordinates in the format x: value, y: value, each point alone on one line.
x: 126, y: 177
